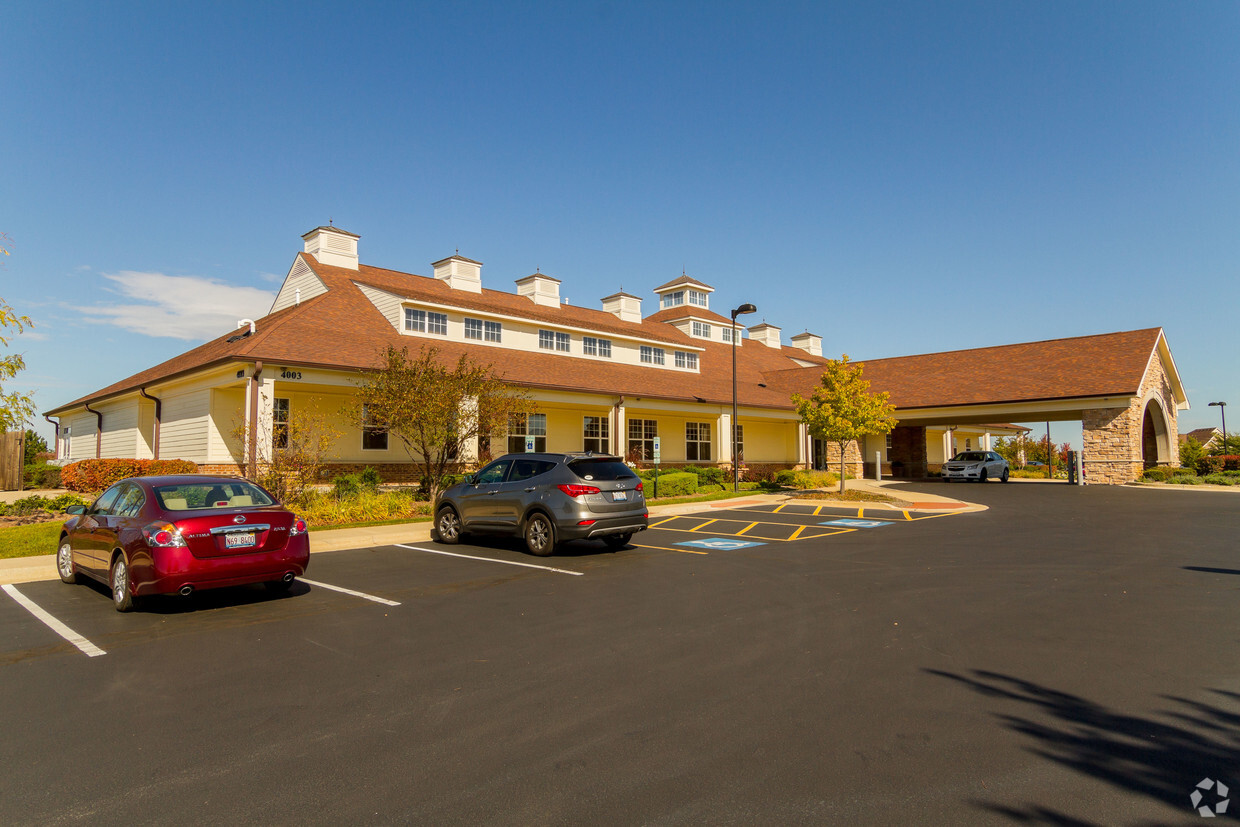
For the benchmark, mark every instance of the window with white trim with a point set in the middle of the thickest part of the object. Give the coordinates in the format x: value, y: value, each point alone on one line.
x: 686, y: 360
x: 494, y: 331
x: 697, y: 441
x: 279, y: 422
x: 740, y: 444
x: 521, y: 428
x: 698, y: 297
x: 553, y: 340
x: 373, y: 438
x: 653, y: 355
x: 473, y: 329
x: 591, y: 346
x: 642, y: 433
x: 673, y: 299
x: 425, y: 321
x: 726, y: 333
x: 701, y: 330
x: 597, y: 434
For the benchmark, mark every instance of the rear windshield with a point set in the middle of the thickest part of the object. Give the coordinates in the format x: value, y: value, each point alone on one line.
x: 970, y: 457
x: 219, y: 494
x: 600, y: 469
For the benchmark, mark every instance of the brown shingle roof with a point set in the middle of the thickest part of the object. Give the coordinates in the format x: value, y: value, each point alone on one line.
x: 672, y: 314
x: 683, y: 280
x: 1110, y: 364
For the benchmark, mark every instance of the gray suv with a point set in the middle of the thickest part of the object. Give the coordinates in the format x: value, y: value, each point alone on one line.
x: 545, y: 499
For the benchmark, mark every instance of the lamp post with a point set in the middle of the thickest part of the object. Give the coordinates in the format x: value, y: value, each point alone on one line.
x: 1222, y: 408
x: 736, y: 468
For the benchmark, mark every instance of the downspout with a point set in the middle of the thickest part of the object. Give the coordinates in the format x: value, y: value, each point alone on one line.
x: 159, y: 406
x: 57, y: 443
x: 253, y: 446
x: 98, y: 432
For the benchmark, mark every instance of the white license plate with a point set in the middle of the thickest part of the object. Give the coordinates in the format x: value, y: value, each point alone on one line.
x: 617, y: 496
x: 239, y: 540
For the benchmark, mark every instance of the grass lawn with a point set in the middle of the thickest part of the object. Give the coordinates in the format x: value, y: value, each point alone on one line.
x: 29, y: 540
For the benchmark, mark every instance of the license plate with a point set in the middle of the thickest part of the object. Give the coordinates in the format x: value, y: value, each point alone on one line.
x: 617, y: 496
x: 239, y: 540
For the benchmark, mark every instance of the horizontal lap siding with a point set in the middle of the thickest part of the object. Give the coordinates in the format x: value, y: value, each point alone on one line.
x: 120, y: 431
x: 184, y: 431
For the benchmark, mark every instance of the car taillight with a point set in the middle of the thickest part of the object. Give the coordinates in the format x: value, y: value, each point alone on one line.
x: 299, y: 527
x: 163, y: 535
x: 639, y: 487
x: 578, y: 490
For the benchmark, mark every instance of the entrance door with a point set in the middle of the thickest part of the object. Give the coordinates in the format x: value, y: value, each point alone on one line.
x: 819, y: 459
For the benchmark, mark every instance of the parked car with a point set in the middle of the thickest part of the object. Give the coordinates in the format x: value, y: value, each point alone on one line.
x: 179, y: 534
x: 546, y: 499
x: 976, y: 465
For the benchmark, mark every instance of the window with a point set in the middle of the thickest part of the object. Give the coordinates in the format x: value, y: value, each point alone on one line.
x: 597, y: 434
x: 423, y: 321
x: 494, y: 331
x: 739, y: 456
x: 641, y: 437
x: 437, y: 323
x: 697, y: 441
x: 130, y: 502
x: 653, y: 355
x: 888, y: 454
x: 493, y: 473
x: 697, y: 297
x: 596, y: 347
x: 526, y: 469
x: 686, y: 360
x: 279, y: 423
x: 473, y: 329
x: 373, y: 438
x: 726, y: 333
x: 701, y: 330
x: 103, y: 505
x: 521, y: 428
x: 968, y: 445
x: 674, y: 299
x: 551, y: 340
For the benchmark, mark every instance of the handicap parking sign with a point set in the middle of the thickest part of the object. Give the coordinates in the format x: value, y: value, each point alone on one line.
x: 849, y: 522
x: 721, y: 543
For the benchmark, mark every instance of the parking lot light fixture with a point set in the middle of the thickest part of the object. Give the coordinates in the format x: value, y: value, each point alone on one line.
x: 736, y: 468
x: 1222, y: 408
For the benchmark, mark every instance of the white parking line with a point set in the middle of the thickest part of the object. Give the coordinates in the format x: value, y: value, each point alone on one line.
x: 89, y: 649
x: 343, y: 590
x: 491, y: 560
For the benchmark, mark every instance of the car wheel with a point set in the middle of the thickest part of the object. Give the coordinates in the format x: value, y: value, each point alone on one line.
x: 122, y: 599
x: 982, y: 476
x: 64, y: 563
x: 539, y: 535
x: 615, y: 542
x: 1004, y: 478
x: 448, y: 526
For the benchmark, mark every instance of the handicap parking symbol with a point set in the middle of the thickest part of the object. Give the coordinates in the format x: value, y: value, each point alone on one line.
x: 855, y: 523
x: 720, y: 543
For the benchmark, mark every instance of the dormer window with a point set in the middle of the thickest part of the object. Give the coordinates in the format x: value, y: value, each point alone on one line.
x: 422, y: 321
x: 596, y: 347
x: 686, y: 360
x: 698, y: 298
x: 701, y: 329
x: 727, y: 334
x: 674, y: 299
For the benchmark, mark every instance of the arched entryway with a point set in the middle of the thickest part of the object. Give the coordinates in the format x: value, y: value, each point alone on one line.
x: 1155, y: 445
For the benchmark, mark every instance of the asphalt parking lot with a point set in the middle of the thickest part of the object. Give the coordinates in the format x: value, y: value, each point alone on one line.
x: 1067, y: 656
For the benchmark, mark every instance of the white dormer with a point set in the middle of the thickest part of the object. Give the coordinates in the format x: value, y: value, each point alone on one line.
x: 767, y: 334
x: 460, y: 273
x: 541, y: 289
x: 332, y: 246
x: 684, y: 291
x: 625, y: 307
x: 808, y: 342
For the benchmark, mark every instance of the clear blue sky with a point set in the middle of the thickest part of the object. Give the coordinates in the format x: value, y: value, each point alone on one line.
x: 896, y: 177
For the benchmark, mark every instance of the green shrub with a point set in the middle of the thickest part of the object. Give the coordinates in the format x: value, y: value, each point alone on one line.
x: 42, y: 475
x: 369, y: 479
x: 1154, y: 475
x: 709, y: 475
x: 346, y: 486
x: 1183, y: 472
x: 677, y: 484
x: 1221, y: 479
x: 1186, y: 480
x: 787, y: 478
x: 1209, y: 465
x: 710, y: 488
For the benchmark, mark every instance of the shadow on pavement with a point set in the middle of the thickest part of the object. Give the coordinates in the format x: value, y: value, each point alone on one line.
x: 1212, y: 571
x: 1158, y: 759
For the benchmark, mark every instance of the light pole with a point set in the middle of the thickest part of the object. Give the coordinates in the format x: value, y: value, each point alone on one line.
x: 1222, y: 408
x: 736, y: 467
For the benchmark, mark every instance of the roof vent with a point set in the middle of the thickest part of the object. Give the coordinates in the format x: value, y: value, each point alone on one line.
x: 333, y: 246
x: 460, y: 273
x: 767, y: 334
x: 625, y: 307
x: 540, y: 289
x: 808, y: 342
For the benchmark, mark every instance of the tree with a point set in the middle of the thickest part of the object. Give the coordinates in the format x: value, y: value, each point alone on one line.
x: 16, y: 409
x: 35, y: 445
x: 1231, y: 446
x: 1190, y: 452
x: 434, y: 409
x: 842, y: 409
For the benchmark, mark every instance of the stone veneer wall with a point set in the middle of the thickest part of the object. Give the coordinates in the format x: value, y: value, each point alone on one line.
x: 853, y: 463
x: 1111, y: 437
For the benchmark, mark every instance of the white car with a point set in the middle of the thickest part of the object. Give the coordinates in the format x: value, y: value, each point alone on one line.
x: 976, y: 465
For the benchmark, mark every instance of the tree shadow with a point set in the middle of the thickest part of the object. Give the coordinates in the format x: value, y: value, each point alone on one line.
x: 1209, y: 570
x: 1161, y: 757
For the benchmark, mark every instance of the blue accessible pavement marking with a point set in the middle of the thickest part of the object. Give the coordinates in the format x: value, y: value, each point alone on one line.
x: 854, y: 523
x: 720, y: 543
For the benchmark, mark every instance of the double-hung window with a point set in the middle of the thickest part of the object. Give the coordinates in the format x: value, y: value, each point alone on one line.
x: 596, y: 347
x: 701, y: 330
x: 697, y: 297
x: 374, y: 438
x: 652, y: 355
x: 740, y: 444
x: 553, y: 340
x: 697, y: 441
x: 686, y: 360
x: 674, y: 299
x: 521, y: 428
x: 494, y: 331
x: 473, y: 329
x: 642, y: 433
x: 597, y: 433
x: 726, y: 333
x: 279, y: 423
x: 426, y: 321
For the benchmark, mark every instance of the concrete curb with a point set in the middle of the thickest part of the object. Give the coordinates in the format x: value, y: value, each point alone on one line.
x: 43, y: 567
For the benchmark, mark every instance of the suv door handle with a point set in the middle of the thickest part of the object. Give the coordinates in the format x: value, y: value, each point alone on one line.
x: 531, y: 488
x: 492, y: 493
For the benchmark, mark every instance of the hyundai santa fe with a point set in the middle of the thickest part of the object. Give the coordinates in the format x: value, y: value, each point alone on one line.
x: 546, y: 499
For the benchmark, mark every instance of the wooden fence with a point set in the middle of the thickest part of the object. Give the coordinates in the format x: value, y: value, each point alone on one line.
x: 12, y: 454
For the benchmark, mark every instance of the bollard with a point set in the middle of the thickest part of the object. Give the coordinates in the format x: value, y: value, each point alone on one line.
x: 878, y: 466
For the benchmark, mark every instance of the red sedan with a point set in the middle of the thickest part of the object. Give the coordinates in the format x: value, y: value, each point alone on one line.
x: 159, y: 535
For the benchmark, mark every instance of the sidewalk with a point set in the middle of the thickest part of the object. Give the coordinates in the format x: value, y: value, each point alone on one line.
x: 43, y: 567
